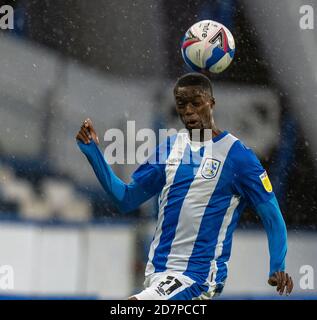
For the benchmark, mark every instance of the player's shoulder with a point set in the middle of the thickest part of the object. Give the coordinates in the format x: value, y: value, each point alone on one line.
x: 160, y: 152
x: 166, y: 143
x: 240, y: 154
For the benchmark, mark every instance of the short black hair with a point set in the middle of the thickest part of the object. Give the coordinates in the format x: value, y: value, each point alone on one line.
x: 194, y: 79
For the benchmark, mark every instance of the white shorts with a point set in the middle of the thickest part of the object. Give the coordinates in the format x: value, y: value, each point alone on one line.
x: 175, y: 286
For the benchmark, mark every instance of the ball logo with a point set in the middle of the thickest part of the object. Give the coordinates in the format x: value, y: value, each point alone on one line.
x: 205, y: 30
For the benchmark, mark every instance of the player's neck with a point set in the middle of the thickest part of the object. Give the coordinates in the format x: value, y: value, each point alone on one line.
x: 204, y: 134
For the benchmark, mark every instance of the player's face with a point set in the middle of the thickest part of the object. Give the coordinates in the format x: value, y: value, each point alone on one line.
x: 194, y: 106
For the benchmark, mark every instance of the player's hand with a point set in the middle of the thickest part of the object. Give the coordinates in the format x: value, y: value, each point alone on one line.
x: 87, y: 132
x: 281, y: 281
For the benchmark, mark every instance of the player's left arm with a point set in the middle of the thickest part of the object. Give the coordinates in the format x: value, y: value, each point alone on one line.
x: 275, y: 227
x: 253, y: 183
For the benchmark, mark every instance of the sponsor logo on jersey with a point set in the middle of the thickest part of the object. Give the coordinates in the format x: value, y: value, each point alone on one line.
x: 266, y: 182
x: 210, y: 168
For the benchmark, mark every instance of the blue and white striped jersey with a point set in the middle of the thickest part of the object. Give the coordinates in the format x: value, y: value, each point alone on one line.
x: 204, y: 189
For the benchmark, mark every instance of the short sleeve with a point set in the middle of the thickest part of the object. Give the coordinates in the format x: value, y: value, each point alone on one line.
x: 250, y: 178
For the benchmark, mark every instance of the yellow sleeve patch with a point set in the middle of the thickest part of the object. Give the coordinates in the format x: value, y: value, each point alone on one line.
x: 266, y: 182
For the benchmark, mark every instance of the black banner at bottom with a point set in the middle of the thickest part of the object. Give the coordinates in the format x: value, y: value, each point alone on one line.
x: 101, y: 309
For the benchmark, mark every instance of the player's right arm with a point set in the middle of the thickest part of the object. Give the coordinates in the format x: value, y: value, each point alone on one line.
x: 126, y: 197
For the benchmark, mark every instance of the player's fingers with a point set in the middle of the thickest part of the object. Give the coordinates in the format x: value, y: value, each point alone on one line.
x: 88, y: 124
x: 86, y: 134
x: 78, y: 136
x: 83, y: 133
x: 86, y: 131
x: 279, y: 281
x: 290, y: 285
x: 272, y: 281
x: 283, y: 283
x: 287, y: 283
x: 89, y: 121
x: 81, y: 138
x: 92, y: 132
x: 85, y: 125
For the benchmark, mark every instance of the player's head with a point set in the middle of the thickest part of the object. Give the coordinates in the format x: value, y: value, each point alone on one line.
x: 194, y: 100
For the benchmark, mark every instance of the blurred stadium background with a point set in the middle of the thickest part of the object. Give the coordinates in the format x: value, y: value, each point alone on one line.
x: 116, y: 61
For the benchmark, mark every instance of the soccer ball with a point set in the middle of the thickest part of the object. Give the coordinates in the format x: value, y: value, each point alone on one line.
x: 208, y: 46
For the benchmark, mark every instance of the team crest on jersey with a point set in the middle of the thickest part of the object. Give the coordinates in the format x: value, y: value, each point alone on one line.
x: 210, y: 168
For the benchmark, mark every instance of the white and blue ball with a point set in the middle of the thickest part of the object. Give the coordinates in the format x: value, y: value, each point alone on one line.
x: 208, y: 46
